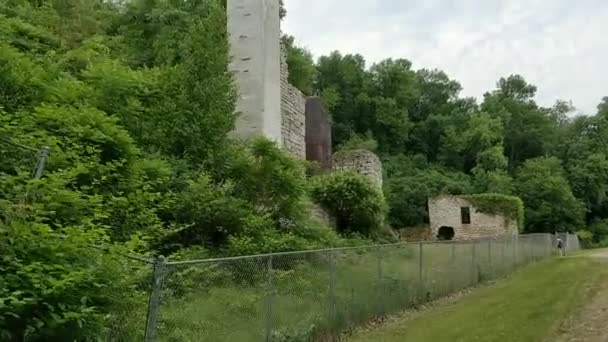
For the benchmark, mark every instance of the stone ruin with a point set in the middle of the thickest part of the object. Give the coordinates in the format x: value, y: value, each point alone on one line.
x: 455, y: 218
x: 363, y: 162
x: 268, y: 105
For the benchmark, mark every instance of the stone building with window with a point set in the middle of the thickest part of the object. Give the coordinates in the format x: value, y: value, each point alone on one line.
x: 457, y: 218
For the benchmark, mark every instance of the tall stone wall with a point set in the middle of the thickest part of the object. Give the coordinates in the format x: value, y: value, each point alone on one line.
x: 363, y: 162
x: 254, y: 30
x: 445, y: 211
x: 293, y: 113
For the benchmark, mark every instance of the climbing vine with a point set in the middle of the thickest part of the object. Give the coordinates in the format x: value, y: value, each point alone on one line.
x: 496, y: 204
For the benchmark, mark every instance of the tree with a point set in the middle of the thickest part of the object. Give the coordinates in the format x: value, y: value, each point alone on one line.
x: 464, y: 148
x: 302, y: 70
x: 344, y: 84
x: 527, y: 127
x: 411, y: 181
x: 436, y: 110
x: 550, y: 204
x: 602, y: 108
x: 589, y: 179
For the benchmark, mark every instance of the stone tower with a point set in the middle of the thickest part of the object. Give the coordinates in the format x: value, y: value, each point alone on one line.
x: 254, y: 29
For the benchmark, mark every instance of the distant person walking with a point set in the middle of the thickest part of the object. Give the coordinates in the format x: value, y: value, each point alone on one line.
x: 560, y: 246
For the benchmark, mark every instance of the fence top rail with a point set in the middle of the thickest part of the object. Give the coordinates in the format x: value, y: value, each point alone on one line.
x: 339, y: 249
x: 10, y: 141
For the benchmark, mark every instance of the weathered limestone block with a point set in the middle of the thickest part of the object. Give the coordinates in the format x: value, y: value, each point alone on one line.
x: 363, y: 162
x: 254, y: 29
x: 445, y: 211
x: 323, y: 216
x: 293, y: 114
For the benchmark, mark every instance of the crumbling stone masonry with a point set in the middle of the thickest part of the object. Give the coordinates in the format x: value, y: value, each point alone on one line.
x: 363, y: 162
x: 465, y: 222
x: 293, y: 116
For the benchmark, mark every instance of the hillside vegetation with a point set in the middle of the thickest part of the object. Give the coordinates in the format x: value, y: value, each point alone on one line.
x: 135, y: 101
x: 434, y: 141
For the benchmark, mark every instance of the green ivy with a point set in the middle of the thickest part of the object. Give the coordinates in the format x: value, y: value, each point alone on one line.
x: 357, y: 204
x: 497, y: 204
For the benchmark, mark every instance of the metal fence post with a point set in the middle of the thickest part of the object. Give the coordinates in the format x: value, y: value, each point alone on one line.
x: 332, y: 294
x: 268, y: 301
x: 380, y: 281
x: 160, y: 268
x: 420, y: 270
x: 474, y: 263
x: 515, y: 251
x: 453, y: 267
x: 44, y: 155
x: 490, y: 266
x: 502, y: 256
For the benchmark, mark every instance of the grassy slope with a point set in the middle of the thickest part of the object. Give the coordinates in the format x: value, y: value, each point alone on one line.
x: 526, y: 307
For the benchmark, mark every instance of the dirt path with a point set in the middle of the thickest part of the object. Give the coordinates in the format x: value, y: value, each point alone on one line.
x: 591, y: 323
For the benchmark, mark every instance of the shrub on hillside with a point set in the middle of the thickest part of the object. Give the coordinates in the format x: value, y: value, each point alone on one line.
x: 253, y: 200
x: 266, y: 176
x: 56, y: 287
x: 355, y: 202
x: 599, y: 229
x: 585, y: 237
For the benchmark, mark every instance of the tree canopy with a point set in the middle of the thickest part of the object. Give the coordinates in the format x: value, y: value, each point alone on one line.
x: 434, y: 141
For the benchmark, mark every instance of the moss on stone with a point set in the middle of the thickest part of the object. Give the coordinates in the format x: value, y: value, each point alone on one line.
x: 497, y: 204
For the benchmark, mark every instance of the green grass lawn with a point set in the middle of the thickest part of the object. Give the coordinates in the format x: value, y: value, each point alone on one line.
x: 526, y: 307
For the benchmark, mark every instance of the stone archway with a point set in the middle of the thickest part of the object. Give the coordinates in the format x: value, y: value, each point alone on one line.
x: 445, y: 233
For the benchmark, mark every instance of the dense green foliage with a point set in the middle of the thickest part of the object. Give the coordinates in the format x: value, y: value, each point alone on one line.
x: 509, y: 206
x: 357, y: 205
x: 134, y: 100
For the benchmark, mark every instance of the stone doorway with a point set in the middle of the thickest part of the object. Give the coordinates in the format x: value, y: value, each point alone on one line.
x: 445, y: 233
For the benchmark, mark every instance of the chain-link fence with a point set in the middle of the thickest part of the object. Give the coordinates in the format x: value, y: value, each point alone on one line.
x: 571, y: 242
x: 315, y: 295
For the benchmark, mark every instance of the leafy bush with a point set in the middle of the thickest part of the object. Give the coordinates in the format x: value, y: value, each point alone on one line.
x: 585, y: 237
x: 358, y: 142
x: 253, y: 200
x: 55, y: 287
x: 266, y: 176
x: 599, y: 229
x: 356, y: 203
x: 205, y: 214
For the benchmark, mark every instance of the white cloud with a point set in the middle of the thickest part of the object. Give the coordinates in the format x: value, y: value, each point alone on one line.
x: 558, y: 45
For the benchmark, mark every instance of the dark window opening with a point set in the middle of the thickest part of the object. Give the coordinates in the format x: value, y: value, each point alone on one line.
x: 465, y: 215
x: 445, y: 233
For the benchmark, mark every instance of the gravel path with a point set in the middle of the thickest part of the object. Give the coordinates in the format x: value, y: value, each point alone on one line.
x: 591, y: 323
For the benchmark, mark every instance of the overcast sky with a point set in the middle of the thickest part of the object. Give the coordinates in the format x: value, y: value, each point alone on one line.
x: 561, y: 46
